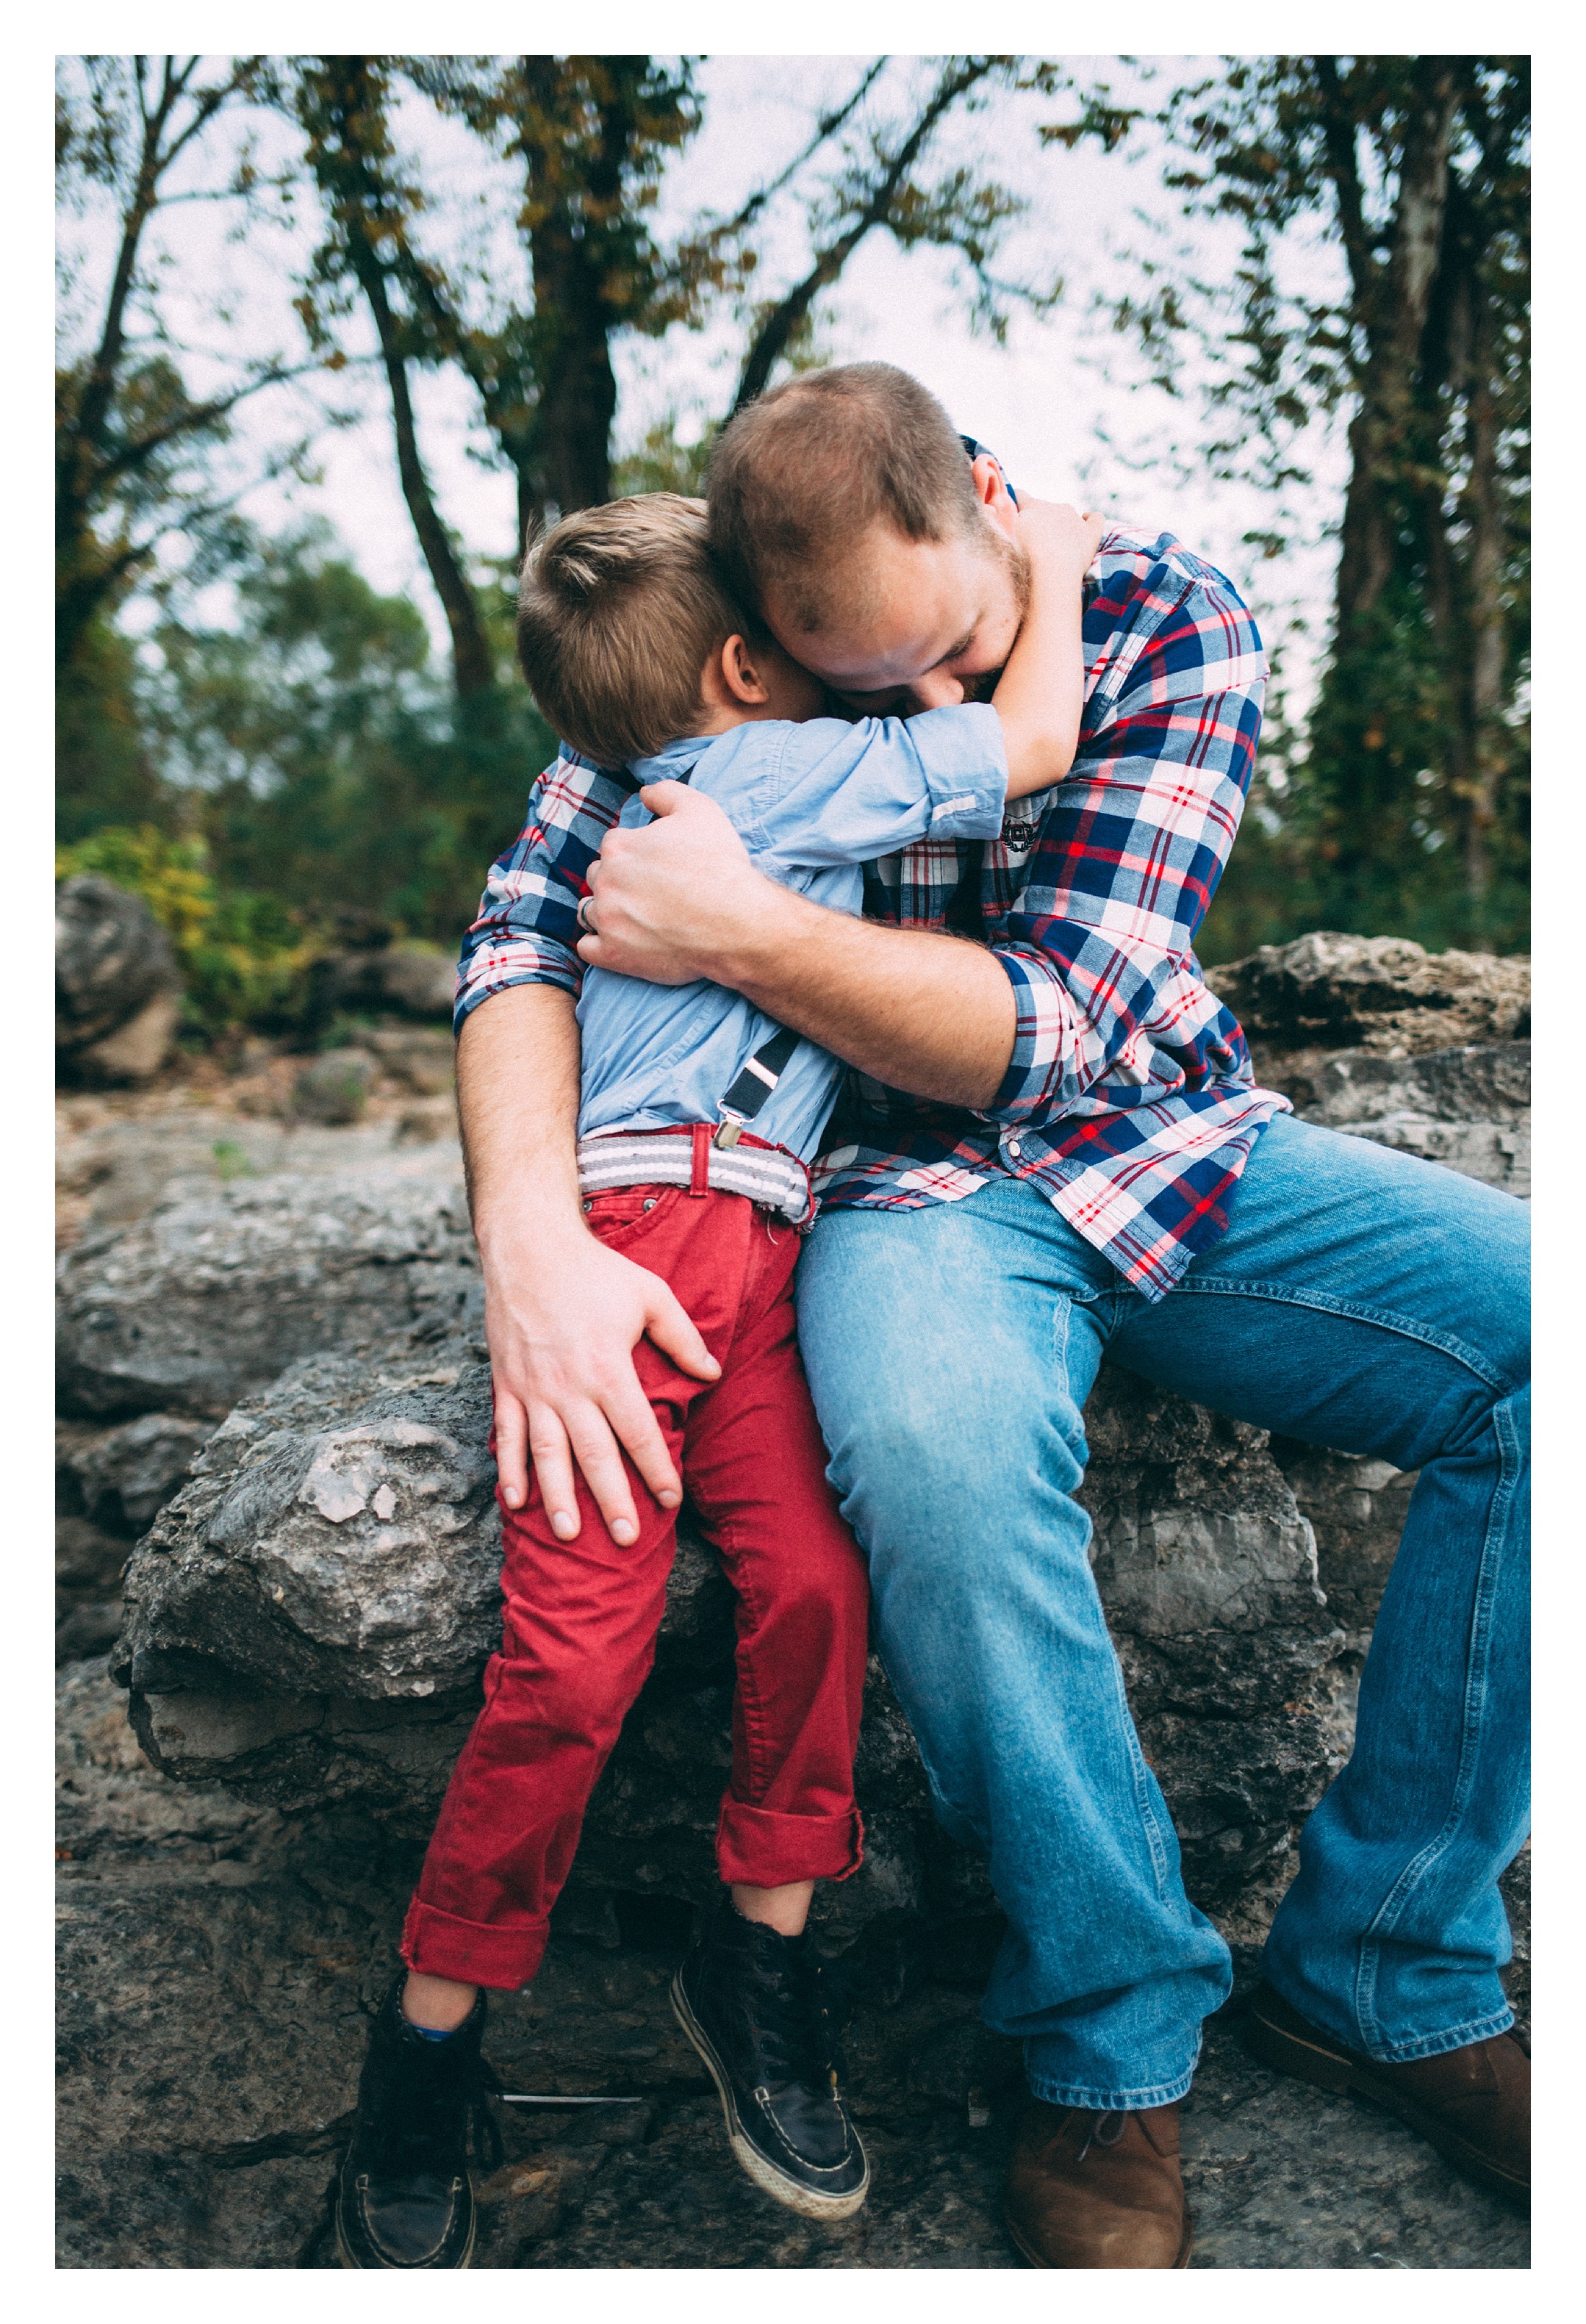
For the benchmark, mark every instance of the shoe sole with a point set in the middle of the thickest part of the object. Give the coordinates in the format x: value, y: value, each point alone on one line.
x: 1185, y: 2246
x: 344, y: 2255
x: 753, y: 2164
x: 1317, y: 2061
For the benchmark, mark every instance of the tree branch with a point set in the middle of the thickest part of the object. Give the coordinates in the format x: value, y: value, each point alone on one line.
x: 782, y: 325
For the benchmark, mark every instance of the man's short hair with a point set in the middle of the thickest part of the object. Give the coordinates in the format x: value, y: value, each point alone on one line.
x: 619, y: 609
x: 800, y: 474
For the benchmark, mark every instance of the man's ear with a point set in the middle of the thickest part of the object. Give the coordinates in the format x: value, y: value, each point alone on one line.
x: 990, y: 489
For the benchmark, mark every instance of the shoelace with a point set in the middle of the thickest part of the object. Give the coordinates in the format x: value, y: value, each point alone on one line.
x: 796, y: 2040
x: 1098, y: 2133
x: 410, y: 2146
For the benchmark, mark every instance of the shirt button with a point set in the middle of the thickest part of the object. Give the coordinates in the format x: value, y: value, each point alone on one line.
x: 1015, y: 1149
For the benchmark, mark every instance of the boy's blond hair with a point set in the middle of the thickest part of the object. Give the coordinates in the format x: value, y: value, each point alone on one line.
x: 618, y: 610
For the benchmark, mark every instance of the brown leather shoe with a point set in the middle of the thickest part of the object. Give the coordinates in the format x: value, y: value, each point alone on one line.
x: 1097, y: 2189
x: 1473, y: 2105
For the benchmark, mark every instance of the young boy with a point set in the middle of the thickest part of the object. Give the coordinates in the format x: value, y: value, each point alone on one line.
x: 698, y: 1118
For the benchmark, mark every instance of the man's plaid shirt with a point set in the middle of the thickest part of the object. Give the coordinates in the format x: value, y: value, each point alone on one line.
x: 1129, y: 1098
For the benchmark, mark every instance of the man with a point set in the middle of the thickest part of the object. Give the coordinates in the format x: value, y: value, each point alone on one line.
x: 1052, y: 1150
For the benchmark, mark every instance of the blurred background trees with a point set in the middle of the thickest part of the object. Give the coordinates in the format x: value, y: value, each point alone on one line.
x: 1403, y: 806
x: 282, y: 757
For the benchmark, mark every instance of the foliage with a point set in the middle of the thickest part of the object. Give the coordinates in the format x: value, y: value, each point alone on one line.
x: 1407, y: 810
x: 297, y: 773
x: 135, y: 452
x: 243, y: 957
x: 103, y: 769
x: 324, y: 758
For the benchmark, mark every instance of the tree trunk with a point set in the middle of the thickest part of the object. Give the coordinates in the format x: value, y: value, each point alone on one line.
x: 473, y: 667
x: 1393, y: 302
x: 1485, y: 570
x: 577, y: 386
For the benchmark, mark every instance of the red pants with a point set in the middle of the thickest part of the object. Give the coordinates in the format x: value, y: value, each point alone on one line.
x: 581, y: 1617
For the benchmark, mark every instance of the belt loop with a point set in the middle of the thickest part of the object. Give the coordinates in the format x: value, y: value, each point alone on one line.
x: 700, y: 1182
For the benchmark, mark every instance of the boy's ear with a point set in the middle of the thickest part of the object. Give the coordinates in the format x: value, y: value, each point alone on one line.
x: 739, y: 667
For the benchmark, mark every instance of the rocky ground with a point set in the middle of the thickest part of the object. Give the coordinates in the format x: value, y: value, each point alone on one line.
x: 219, y: 1961
x: 273, y: 1420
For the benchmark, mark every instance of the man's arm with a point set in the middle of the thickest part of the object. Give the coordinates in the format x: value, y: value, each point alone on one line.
x: 1128, y: 861
x: 562, y: 1313
x: 929, y: 1013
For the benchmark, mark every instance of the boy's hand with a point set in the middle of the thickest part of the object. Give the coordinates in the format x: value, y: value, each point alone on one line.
x: 1060, y: 540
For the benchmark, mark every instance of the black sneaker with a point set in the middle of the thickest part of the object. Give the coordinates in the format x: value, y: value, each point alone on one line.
x: 404, y: 2198
x: 751, y: 2003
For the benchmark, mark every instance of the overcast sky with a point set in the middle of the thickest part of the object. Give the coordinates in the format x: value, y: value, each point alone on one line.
x: 1044, y: 401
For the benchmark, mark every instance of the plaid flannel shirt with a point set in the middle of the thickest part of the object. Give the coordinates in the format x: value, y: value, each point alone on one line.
x: 1129, y: 1098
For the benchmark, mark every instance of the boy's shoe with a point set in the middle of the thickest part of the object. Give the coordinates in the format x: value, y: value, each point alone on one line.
x: 404, y: 2198
x: 753, y: 2004
x: 1472, y: 2104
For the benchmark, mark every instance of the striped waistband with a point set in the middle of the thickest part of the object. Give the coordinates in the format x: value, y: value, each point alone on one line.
x: 767, y: 1174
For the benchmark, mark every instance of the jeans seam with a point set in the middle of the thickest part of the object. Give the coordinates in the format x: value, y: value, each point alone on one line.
x: 1141, y: 1777
x: 1392, y: 1908
x: 1328, y: 1304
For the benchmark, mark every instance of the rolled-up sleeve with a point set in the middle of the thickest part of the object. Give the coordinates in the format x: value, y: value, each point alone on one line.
x: 1099, y: 948
x: 527, y: 927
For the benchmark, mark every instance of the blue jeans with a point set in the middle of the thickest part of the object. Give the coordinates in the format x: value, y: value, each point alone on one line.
x: 1360, y: 1299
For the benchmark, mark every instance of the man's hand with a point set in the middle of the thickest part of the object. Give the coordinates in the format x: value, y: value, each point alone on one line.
x: 561, y: 1358
x: 674, y: 900
x: 563, y: 1314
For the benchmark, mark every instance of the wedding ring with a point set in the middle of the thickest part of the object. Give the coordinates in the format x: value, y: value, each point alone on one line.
x: 582, y: 916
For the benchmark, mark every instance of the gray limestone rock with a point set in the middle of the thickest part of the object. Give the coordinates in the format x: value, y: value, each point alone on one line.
x: 418, y: 1056
x: 126, y: 1475
x: 334, y: 1088
x: 114, y: 968
x: 221, y: 1286
x: 406, y: 980
x: 1382, y: 993
x: 220, y: 1961
x: 309, y: 1618
x: 1467, y: 1108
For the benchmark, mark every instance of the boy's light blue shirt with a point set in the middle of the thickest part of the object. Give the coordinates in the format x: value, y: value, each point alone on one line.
x: 813, y: 802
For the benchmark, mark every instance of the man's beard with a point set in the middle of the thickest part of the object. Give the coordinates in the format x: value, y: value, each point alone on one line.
x: 1013, y: 556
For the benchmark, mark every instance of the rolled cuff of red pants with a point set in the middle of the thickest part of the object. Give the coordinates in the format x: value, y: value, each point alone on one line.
x: 439, y: 1944
x: 765, y: 1851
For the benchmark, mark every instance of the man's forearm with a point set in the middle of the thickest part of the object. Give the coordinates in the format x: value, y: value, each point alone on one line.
x: 518, y: 1105
x: 931, y: 1014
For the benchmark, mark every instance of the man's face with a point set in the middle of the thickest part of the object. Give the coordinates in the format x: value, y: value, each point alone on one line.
x: 940, y: 616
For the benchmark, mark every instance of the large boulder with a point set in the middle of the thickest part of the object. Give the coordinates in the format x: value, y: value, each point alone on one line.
x: 117, y: 986
x: 219, y: 1962
x: 1381, y: 993
x: 399, y: 980
x: 1467, y: 1108
x: 307, y: 1620
x: 1427, y: 1052
x: 221, y: 1286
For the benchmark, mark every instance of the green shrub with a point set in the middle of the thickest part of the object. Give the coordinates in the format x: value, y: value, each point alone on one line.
x: 243, y: 958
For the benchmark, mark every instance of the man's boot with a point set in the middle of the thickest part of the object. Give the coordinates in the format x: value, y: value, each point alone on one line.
x: 1090, y: 2190
x: 1472, y: 2104
x: 404, y: 2198
x: 754, y: 2007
